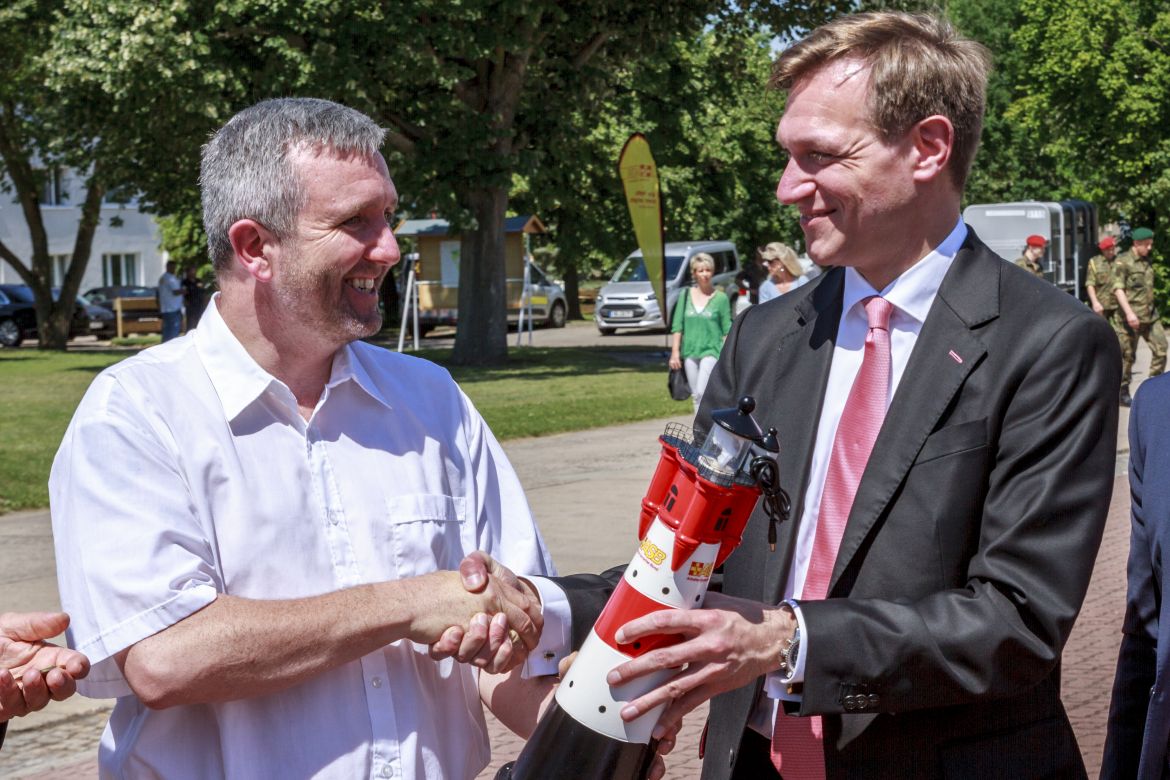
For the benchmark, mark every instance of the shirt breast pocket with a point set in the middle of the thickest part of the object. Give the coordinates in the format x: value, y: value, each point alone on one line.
x: 426, y: 532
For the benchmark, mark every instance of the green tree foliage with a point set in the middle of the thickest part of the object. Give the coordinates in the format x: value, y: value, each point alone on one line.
x: 1097, y: 95
x: 1011, y: 164
x: 462, y: 87
x: 42, y: 129
x: 710, y: 120
x: 185, y: 242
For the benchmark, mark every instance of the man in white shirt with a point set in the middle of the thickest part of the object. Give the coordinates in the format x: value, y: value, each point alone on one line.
x: 257, y: 524
x: 170, y: 302
x: 910, y: 621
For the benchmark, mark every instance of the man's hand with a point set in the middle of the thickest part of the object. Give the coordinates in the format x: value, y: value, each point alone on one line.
x: 728, y: 644
x: 32, y: 671
x: 494, y: 644
x: 440, y: 600
x: 1098, y: 308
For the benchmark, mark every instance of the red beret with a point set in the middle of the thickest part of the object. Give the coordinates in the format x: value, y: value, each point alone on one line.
x: 1035, y: 240
x: 1106, y: 243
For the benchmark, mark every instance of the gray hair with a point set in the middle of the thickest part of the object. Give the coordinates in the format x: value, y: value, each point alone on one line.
x: 246, y: 172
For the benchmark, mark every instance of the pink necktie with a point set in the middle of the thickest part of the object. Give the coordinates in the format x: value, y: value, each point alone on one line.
x: 796, y: 742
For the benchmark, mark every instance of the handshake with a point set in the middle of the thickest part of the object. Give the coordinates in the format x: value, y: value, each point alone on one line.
x: 483, y: 614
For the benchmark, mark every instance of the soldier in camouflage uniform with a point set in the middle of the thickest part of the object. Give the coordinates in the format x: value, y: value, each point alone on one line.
x: 1033, y: 251
x: 1099, y: 279
x: 1133, y: 285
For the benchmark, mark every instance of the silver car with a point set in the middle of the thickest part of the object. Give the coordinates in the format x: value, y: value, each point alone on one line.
x: 628, y: 301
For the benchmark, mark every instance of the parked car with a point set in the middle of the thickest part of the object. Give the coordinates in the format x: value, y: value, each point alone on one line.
x: 104, y: 296
x: 103, y: 323
x: 629, y: 301
x: 18, y: 317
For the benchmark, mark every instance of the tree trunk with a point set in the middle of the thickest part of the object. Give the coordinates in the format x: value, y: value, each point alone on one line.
x: 573, y: 291
x: 54, y: 318
x: 482, y: 335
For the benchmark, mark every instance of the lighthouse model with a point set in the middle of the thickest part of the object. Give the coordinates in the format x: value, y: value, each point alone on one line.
x: 693, y: 517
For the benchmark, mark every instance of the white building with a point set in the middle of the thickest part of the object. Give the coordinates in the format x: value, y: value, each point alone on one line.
x: 126, y: 245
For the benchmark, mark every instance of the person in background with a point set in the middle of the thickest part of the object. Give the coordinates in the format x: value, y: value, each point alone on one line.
x: 1099, y: 279
x: 170, y: 302
x: 1034, y: 247
x: 33, y: 671
x: 785, y: 273
x: 746, y: 295
x: 1137, y: 312
x: 1139, y: 712
x: 702, y: 318
x: 194, y: 297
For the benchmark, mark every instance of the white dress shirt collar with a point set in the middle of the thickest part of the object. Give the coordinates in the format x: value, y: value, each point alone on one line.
x: 239, y: 380
x: 914, y: 291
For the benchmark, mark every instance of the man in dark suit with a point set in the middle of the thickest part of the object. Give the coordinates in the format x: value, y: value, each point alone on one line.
x: 1139, y: 716
x: 947, y: 433
x: 34, y: 672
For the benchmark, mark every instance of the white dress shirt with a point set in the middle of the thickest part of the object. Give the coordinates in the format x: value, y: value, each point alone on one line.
x: 912, y: 294
x: 188, y: 472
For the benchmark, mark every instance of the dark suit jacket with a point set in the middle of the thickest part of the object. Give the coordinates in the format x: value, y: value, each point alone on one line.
x: 1139, y: 716
x: 969, y: 547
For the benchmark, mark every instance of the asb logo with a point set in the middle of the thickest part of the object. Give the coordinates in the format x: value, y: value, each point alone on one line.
x: 653, y: 554
x: 701, y: 570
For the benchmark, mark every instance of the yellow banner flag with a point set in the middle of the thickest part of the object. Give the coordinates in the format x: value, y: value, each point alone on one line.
x: 640, y: 182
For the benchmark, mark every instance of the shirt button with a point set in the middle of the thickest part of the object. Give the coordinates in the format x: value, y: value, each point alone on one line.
x: 377, y: 683
x: 387, y: 771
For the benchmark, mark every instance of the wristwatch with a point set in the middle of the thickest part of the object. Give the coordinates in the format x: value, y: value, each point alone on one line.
x: 790, y: 652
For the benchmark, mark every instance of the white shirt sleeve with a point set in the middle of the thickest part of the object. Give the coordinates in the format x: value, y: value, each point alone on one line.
x: 132, y: 558
x: 556, y: 636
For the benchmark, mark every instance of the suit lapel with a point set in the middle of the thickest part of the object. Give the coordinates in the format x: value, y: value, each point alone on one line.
x: 801, y: 369
x: 946, y: 352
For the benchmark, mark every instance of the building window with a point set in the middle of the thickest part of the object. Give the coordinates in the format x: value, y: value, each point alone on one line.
x: 59, y: 264
x: 120, y: 269
x: 53, y: 187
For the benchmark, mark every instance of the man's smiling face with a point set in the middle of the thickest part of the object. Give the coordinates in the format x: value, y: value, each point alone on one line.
x: 855, y: 190
x: 327, y: 278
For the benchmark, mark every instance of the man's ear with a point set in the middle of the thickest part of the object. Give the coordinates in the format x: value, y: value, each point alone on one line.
x: 933, y: 139
x: 253, y: 244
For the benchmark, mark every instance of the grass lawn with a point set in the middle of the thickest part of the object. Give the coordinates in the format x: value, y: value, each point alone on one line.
x: 538, y: 392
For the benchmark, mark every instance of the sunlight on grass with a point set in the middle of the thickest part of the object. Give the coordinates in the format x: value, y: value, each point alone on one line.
x: 536, y: 393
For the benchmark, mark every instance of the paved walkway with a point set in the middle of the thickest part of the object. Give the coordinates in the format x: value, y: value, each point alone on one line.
x: 585, y: 489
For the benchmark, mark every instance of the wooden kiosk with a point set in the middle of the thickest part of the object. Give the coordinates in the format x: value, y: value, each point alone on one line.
x: 437, y: 267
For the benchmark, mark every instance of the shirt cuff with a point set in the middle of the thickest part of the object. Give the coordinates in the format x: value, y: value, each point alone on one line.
x: 555, y: 637
x: 776, y: 685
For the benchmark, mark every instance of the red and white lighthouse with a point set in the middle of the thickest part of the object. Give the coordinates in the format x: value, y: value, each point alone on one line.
x: 693, y: 517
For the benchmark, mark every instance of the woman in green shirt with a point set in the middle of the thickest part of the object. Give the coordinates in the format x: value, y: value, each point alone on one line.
x: 701, y: 320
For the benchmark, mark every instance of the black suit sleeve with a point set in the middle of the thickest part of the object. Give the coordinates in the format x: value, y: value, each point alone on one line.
x: 587, y: 594
x: 1137, y: 662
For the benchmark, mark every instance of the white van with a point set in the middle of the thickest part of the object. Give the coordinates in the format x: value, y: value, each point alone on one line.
x: 628, y: 301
